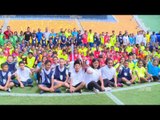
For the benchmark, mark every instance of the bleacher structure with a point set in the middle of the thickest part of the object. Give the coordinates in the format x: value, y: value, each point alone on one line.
x: 123, y: 22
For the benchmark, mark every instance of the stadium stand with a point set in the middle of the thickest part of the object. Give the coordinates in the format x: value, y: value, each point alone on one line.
x: 18, y: 25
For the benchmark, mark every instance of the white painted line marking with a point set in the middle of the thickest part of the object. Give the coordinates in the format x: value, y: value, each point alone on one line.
x: 114, y: 98
x: 135, y: 87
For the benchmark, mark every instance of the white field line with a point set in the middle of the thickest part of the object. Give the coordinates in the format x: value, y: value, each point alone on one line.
x: 44, y: 94
x: 135, y: 87
x: 72, y: 94
x: 114, y: 98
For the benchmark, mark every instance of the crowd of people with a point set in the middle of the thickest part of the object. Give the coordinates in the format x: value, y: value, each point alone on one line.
x: 77, y: 60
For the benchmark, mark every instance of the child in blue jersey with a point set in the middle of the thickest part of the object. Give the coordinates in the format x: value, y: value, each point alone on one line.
x: 50, y: 44
x: 5, y: 78
x: 63, y: 40
x: 43, y: 41
x: 34, y: 40
x: 40, y: 66
x: 61, y: 74
x: 126, y: 74
x: 47, y: 79
x: 153, y: 69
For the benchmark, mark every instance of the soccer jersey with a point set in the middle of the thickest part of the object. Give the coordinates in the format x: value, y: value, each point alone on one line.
x: 148, y: 38
x: 90, y: 37
x: 2, y: 60
x: 30, y: 62
x: 65, y: 57
x: 131, y: 65
x: 140, y: 71
x: 83, y: 51
x: 1, y: 39
x: 153, y: 70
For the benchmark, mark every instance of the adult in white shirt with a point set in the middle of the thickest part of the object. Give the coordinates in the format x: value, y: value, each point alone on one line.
x: 109, y: 74
x: 125, y: 39
x: 47, y: 33
x: 139, y: 38
x: 93, y: 78
x: 144, y: 39
x: 77, y: 78
x: 23, y: 76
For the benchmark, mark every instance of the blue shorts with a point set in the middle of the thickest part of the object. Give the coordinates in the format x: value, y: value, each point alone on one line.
x: 28, y: 82
x: 2, y: 84
x: 49, y: 85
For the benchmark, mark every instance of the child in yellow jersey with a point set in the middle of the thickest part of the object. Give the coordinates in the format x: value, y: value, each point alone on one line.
x: 63, y: 55
x: 101, y: 38
x: 148, y: 36
x: 129, y: 48
x: 2, y: 59
x: 141, y: 73
x: 130, y: 62
x: 59, y: 51
x: 83, y: 50
x: 116, y: 47
x: 93, y: 48
x: 30, y: 60
x: 146, y: 51
x: 19, y: 57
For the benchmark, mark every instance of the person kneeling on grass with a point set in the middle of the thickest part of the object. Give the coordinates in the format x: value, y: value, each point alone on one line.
x: 93, y: 77
x: 23, y: 75
x: 77, y: 78
x: 142, y: 73
x: 126, y: 74
x: 5, y: 78
x: 47, y: 79
x: 61, y: 74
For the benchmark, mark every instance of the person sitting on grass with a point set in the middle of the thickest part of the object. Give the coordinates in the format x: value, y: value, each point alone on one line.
x: 153, y: 69
x: 61, y: 74
x: 30, y: 60
x: 142, y: 73
x: 126, y: 74
x: 40, y: 66
x: 5, y: 78
x: 93, y: 77
x: 77, y: 78
x: 12, y: 67
x: 109, y: 74
x: 47, y: 79
x: 23, y: 75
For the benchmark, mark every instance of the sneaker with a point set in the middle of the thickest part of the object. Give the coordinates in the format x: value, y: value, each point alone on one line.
x: 107, y: 89
x: 41, y: 92
x: 134, y: 82
x: 128, y: 83
x: 37, y: 81
x: 57, y: 91
x: 158, y: 81
x: 30, y: 85
x: 120, y: 85
x: 95, y: 90
x: 9, y: 90
x: 67, y: 90
x: 80, y: 91
x: 149, y: 80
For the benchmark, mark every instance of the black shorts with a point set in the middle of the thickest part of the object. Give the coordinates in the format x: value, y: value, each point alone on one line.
x: 77, y: 84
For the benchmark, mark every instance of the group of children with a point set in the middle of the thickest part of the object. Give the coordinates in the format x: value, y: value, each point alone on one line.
x: 76, y: 61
